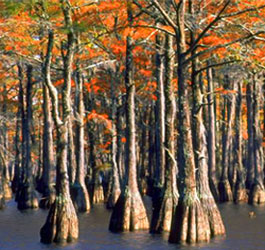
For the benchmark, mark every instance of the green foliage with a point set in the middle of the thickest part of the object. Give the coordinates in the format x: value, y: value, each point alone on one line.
x: 10, y: 8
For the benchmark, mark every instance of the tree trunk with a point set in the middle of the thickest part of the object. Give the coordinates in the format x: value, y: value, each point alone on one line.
x: 71, y: 152
x: 204, y: 193
x: 225, y: 191
x: 79, y: 191
x: 190, y: 223
x: 26, y: 196
x: 4, y: 143
x: 62, y: 222
x: 257, y: 192
x: 160, y: 112
x: 240, y: 193
x: 17, y: 167
x: 115, y: 190
x: 250, y: 146
x: 47, y: 179
x: 162, y: 212
x: 2, y: 195
x: 142, y: 173
x: 151, y: 151
x: 212, y: 138
x: 129, y: 212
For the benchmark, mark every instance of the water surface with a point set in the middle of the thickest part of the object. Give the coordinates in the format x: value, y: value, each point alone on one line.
x: 20, y: 231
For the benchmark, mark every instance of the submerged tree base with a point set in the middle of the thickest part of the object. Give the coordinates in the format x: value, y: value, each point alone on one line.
x: 214, y: 217
x: 2, y: 201
x: 190, y: 223
x: 7, y: 190
x: 61, y: 225
x: 80, y: 197
x: 129, y: 213
x: 225, y: 192
x: 257, y: 195
x: 48, y: 198
x: 98, y: 194
x: 240, y: 195
x: 214, y: 189
x: 27, y: 197
x: 163, y: 205
x: 113, y: 198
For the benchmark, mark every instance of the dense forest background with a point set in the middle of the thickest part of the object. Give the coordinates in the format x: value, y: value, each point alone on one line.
x: 108, y: 101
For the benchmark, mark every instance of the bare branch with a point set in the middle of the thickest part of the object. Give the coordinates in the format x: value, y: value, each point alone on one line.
x: 216, y: 65
x: 241, y: 39
x: 202, y: 34
x: 165, y: 15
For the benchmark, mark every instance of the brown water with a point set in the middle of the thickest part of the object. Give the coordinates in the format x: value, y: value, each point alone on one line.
x: 20, y: 231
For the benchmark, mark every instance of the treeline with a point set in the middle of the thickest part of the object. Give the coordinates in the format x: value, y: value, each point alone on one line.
x: 163, y: 99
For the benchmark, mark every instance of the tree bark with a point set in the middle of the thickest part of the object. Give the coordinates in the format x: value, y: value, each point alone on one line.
x: 250, y: 146
x: 190, y: 223
x: 257, y: 191
x: 212, y: 138
x: 62, y: 222
x: 115, y: 190
x: 26, y: 194
x: 129, y: 212
x: 240, y: 193
x: 47, y: 178
x: 204, y: 193
x: 79, y: 191
x: 225, y: 191
x: 162, y: 213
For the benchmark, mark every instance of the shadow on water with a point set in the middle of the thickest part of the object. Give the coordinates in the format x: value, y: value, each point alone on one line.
x: 20, y: 231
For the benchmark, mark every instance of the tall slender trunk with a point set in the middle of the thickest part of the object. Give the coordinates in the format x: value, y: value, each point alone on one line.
x: 240, y: 194
x: 17, y: 163
x: 191, y: 222
x: 162, y: 214
x: 157, y: 193
x: 257, y: 191
x: 62, y: 222
x: 4, y: 142
x: 129, y: 212
x: 160, y: 111
x: 115, y: 185
x: 142, y: 173
x: 47, y: 178
x: 79, y: 191
x: 250, y: 146
x: 71, y: 152
x: 212, y: 138
x: 224, y: 186
x: 151, y: 152
x: 27, y: 197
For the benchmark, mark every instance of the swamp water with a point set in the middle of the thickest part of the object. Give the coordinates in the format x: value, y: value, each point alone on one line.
x: 20, y: 231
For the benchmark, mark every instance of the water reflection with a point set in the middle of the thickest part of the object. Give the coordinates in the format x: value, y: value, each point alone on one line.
x: 20, y: 231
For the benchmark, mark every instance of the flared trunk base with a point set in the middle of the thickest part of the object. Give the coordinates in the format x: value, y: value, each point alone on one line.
x: 80, y: 197
x: 241, y: 195
x: 214, y: 189
x: 190, y: 223
x: 257, y: 195
x: 27, y: 197
x: 48, y: 198
x: 98, y: 194
x: 7, y: 191
x: 61, y: 225
x: 214, y: 217
x: 162, y: 215
x: 129, y: 213
x: 2, y: 201
x: 113, y: 197
x: 225, y: 192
